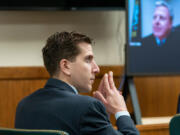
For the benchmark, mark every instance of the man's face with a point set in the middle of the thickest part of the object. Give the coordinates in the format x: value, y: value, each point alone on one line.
x: 162, y: 23
x: 83, y: 69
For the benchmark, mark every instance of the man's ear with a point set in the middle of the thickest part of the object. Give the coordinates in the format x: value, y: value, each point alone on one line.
x: 65, y: 66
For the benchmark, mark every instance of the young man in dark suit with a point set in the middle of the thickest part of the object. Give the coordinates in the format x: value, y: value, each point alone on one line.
x: 69, y: 59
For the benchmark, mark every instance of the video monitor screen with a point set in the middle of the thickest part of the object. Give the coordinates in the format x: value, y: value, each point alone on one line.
x: 153, y: 37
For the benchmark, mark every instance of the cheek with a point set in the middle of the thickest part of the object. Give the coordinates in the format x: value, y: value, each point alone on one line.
x: 169, y: 26
x: 87, y: 67
x: 165, y: 24
x: 82, y: 72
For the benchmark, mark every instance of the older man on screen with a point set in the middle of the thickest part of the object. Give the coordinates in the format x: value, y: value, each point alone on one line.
x: 161, y: 26
x: 160, y: 50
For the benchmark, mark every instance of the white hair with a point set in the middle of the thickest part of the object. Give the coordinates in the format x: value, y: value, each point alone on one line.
x: 165, y: 4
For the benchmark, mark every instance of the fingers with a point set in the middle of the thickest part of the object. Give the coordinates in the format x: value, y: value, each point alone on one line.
x: 109, y: 95
x: 111, y: 81
x: 99, y: 96
x: 106, y: 83
x: 120, y: 92
x: 101, y: 85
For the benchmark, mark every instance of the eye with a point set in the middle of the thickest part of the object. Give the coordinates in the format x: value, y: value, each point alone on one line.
x: 162, y: 18
x: 88, y: 59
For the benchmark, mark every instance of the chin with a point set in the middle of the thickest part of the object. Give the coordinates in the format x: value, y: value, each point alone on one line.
x: 157, y: 35
x: 88, y: 90
x: 85, y: 90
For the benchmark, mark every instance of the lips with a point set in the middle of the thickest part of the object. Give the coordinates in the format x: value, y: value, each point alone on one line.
x: 157, y: 29
x: 92, y: 80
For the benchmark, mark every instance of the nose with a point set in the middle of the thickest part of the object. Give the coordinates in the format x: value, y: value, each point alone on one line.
x: 156, y: 20
x: 95, y: 68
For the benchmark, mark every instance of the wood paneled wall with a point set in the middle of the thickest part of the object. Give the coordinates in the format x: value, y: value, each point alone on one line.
x: 154, y: 129
x: 16, y: 83
x: 157, y: 95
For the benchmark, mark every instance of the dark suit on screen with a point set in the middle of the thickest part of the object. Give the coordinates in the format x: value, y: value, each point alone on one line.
x: 152, y: 58
x: 56, y: 106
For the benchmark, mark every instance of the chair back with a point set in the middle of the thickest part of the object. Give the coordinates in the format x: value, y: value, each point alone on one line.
x: 178, y: 106
x: 174, y: 125
x: 13, y: 131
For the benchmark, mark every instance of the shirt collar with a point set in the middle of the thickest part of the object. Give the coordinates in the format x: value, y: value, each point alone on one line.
x: 160, y: 42
x: 75, y: 90
x: 56, y: 83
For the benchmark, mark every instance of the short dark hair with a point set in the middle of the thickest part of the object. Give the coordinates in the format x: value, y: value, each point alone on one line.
x: 63, y: 45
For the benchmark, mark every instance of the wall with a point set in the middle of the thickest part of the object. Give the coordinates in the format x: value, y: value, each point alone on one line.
x: 23, y: 34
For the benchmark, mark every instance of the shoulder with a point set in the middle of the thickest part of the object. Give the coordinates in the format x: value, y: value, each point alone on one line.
x: 148, y: 38
x: 28, y: 98
x: 148, y: 41
x: 173, y: 37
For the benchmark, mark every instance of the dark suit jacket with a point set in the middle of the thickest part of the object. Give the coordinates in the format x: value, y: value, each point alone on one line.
x: 56, y: 106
